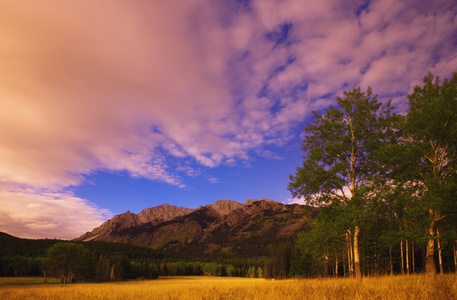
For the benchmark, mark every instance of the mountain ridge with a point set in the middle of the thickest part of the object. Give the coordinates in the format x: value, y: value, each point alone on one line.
x: 223, y: 227
x: 153, y: 215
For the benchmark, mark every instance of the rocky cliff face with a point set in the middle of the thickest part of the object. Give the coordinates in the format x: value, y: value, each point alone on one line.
x: 109, y: 230
x: 224, y: 207
x: 161, y: 213
x: 225, y: 226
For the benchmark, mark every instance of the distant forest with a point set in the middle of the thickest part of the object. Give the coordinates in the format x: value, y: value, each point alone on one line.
x: 385, y: 182
x: 107, y: 261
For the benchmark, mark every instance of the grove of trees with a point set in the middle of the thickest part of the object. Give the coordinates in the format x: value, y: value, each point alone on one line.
x: 384, y: 181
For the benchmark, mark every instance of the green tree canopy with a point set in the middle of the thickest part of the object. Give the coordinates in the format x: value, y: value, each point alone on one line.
x: 341, y: 162
x: 430, y: 141
x: 71, y: 261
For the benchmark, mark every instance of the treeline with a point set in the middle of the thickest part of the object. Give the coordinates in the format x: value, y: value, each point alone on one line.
x: 386, y: 183
x: 12, y: 246
x: 308, y: 257
x: 120, y: 267
x: 276, y: 265
x: 104, y: 261
x: 99, y: 261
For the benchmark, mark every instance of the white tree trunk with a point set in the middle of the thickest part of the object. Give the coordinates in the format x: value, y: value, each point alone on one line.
x: 358, y: 272
x: 336, y: 264
x: 350, y: 254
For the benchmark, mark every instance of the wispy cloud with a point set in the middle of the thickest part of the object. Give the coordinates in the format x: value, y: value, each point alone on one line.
x: 213, y: 180
x: 137, y: 86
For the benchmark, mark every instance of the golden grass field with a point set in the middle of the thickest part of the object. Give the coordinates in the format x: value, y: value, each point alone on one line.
x: 395, y: 287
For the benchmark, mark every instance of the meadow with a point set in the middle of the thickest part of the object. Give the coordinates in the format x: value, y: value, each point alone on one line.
x: 395, y: 287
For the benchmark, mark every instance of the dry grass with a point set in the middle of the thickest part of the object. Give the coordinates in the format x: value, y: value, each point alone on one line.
x: 397, y: 287
x: 17, y: 281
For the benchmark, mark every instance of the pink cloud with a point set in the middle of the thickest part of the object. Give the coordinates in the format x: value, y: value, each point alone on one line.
x: 52, y: 215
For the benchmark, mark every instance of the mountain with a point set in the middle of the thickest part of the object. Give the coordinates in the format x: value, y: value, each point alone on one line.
x: 151, y: 216
x: 225, y: 227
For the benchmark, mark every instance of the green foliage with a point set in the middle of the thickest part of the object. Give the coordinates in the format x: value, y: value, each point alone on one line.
x: 433, y: 113
x: 342, y: 161
x: 70, y: 262
x: 400, y: 178
x: 231, y: 271
x: 114, y: 261
x: 12, y: 246
x: 431, y: 132
x: 22, y: 266
x: 341, y: 148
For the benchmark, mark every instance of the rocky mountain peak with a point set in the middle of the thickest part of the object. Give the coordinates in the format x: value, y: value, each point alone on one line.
x: 152, y: 215
x: 253, y: 201
x: 224, y: 207
x: 162, y: 213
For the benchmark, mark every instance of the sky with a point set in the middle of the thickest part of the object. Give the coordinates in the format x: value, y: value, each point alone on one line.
x: 110, y: 106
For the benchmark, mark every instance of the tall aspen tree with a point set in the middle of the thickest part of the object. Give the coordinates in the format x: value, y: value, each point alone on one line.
x: 340, y: 162
x: 431, y: 134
